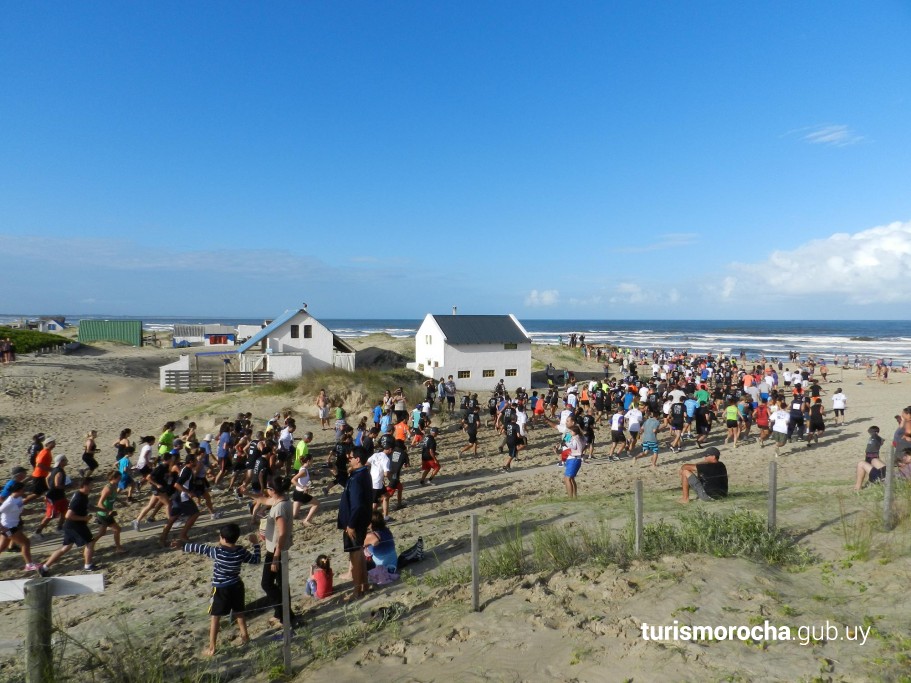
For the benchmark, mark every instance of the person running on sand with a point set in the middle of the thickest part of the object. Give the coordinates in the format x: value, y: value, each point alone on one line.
x: 301, y: 493
x: 161, y: 480
x: 650, y: 429
x: 618, y: 436
x: 511, y: 434
x: 105, y: 514
x: 733, y: 421
x: 817, y: 421
x: 429, y: 463
x: 56, y: 503
x: 762, y: 416
x: 839, y: 403
x: 470, y: 425
x: 781, y: 419
x: 181, y: 504
x: 227, y: 587
x: 75, y: 530
x: 11, y: 523
x: 89, y: 451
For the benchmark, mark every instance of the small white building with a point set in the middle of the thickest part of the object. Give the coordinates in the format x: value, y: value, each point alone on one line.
x: 205, y: 335
x: 292, y: 344
x: 477, y: 350
x: 50, y: 325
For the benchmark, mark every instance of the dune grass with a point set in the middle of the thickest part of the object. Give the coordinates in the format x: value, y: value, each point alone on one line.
x: 27, y: 341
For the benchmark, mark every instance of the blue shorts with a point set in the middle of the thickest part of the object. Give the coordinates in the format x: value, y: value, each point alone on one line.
x: 572, y: 467
x: 650, y: 446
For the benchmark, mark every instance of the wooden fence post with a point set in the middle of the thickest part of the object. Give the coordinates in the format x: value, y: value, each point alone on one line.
x: 773, y: 495
x: 475, y: 565
x: 637, y: 503
x: 39, y: 657
x: 888, y: 516
x: 286, y: 612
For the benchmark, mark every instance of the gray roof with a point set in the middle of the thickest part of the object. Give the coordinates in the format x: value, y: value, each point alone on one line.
x: 480, y: 329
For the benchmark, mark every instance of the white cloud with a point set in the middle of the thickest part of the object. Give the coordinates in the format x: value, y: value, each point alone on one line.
x: 728, y: 286
x: 583, y: 302
x: 545, y: 297
x: 628, y: 293
x: 833, y: 135
x: 865, y: 267
x: 669, y: 240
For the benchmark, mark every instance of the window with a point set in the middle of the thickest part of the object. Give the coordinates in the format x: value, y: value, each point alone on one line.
x: 308, y: 331
x: 428, y: 339
x: 511, y: 373
x: 463, y: 374
x: 420, y: 367
x: 510, y: 347
x: 295, y: 332
x: 487, y: 373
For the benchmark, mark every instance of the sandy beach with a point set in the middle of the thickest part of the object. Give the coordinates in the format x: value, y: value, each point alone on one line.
x: 581, y: 624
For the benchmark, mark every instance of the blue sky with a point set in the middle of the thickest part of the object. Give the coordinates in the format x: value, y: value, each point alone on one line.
x: 577, y: 160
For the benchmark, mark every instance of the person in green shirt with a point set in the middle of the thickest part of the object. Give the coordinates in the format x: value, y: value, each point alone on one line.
x: 302, y: 450
x: 733, y: 421
x: 166, y: 440
x: 702, y: 395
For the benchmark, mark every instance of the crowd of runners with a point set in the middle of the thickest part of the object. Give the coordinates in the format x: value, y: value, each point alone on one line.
x: 660, y: 402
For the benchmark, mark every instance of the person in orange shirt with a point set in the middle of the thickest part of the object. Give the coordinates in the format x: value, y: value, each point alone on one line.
x: 43, y: 462
x: 401, y: 430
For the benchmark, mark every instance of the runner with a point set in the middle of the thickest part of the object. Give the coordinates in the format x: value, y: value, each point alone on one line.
x: 75, y: 530
x: 11, y: 522
x: 429, y: 462
x: 106, y: 514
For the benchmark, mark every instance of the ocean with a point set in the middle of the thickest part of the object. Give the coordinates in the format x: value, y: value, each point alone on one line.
x: 772, y: 338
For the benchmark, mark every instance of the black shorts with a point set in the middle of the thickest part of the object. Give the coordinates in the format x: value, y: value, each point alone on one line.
x: 184, y: 508
x: 39, y: 486
x: 732, y: 424
x: 227, y: 599
x: 450, y: 400
x: 472, y: 437
x: 301, y: 497
x: 10, y: 532
x: 617, y: 436
x: 877, y: 474
x: 350, y: 545
x: 512, y: 449
x: 77, y: 534
x: 493, y: 412
x: 379, y: 494
x: 817, y: 427
x: 677, y: 426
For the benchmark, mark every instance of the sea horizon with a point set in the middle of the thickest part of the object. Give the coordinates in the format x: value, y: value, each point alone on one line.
x: 755, y: 337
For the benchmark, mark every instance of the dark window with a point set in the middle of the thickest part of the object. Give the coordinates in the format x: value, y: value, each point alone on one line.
x: 295, y: 331
x: 308, y: 331
x: 487, y: 373
x: 510, y: 347
x: 463, y: 374
x: 511, y: 373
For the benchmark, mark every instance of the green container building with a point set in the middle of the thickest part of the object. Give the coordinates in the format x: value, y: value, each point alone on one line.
x: 126, y: 331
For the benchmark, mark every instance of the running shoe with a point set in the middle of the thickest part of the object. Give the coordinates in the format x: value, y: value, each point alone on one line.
x: 43, y: 571
x: 136, y: 525
x: 91, y: 567
x: 31, y: 567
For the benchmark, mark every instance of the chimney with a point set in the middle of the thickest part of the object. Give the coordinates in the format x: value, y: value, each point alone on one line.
x: 454, y: 309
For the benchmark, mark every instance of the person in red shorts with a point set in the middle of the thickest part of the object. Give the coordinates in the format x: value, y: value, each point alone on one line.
x: 429, y: 463
x: 56, y: 503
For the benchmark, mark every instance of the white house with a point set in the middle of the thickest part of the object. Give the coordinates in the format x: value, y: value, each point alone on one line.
x: 208, y: 335
x: 292, y: 344
x: 50, y: 325
x: 477, y: 350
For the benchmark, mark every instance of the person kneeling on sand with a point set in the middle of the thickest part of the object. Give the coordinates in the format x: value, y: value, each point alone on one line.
x: 876, y: 469
x: 709, y: 478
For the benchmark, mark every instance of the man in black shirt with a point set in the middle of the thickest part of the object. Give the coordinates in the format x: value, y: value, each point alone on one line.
x: 511, y: 435
x: 429, y: 462
x: 709, y: 478
x: 75, y: 530
x: 397, y: 460
x: 470, y: 425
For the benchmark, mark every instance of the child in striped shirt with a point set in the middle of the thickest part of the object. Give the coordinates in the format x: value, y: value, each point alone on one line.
x: 227, y: 588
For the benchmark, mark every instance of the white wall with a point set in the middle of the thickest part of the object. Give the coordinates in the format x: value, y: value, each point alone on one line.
x: 247, y: 331
x: 182, y: 363
x: 319, y: 346
x: 427, y: 353
x: 476, y: 358
x: 286, y: 367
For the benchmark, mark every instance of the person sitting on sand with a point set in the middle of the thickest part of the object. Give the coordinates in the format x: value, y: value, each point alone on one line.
x: 876, y: 469
x: 383, y: 562
x: 227, y: 587
x: 319, y: 585
x: 709, y: 478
